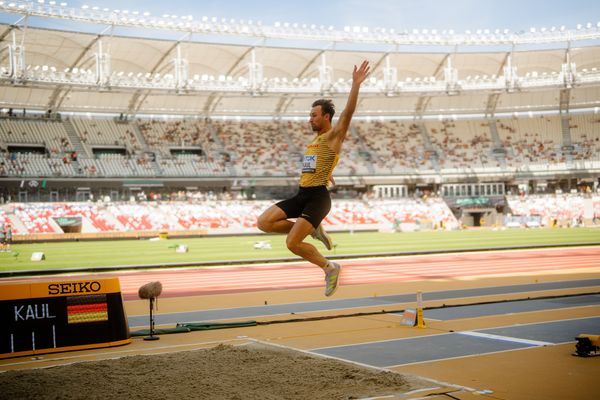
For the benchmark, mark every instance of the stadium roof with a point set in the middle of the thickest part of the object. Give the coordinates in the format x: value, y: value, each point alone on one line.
x: 68, y: 71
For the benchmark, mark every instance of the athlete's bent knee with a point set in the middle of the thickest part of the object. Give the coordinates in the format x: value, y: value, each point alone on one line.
x: 292, y: 245
x: 263, y: 224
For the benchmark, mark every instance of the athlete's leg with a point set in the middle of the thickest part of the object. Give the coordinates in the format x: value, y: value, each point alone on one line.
x: 274, y: 220
x: 320, y: 234
x: 295, y: 242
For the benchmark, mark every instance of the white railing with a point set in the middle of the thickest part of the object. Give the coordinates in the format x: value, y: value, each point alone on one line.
x: 45, y: 75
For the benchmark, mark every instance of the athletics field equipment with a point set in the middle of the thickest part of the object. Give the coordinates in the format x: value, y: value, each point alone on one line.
x: 54, y: 316
x: 587, y: 345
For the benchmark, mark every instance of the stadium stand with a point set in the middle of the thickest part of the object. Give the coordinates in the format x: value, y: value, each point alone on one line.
x: 394, y: 146
x: 552, y: 210
x: 234, y: 216
x: 187, y: 148
x: 220, y: 216
x: 462, y: 144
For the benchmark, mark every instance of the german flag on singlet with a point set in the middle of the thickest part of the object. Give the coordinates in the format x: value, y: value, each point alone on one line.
x: 81, y: 309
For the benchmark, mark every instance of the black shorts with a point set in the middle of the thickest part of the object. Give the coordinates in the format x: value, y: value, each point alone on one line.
x: 310, y: 203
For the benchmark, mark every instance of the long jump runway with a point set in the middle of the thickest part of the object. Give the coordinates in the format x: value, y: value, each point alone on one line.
x: 297, y: 309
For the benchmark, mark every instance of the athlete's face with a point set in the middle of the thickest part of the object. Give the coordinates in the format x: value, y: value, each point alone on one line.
x: 317, y: 119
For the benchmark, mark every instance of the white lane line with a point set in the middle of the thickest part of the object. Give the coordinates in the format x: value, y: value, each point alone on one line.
x: 505, y: 338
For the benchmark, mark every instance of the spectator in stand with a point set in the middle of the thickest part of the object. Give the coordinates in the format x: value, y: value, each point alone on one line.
x: 2, y: 238
x: 8, y: 236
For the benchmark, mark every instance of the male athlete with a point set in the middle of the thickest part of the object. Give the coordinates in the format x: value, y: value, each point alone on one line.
x: 312, y: 202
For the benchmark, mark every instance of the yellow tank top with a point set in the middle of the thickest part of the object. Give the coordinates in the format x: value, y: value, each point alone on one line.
x: 318, y: 163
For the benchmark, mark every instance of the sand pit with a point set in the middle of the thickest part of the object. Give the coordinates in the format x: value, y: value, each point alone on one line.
x: 224, y: 372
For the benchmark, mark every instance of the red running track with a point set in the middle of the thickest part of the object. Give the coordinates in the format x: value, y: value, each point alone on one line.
x: 255, y: 277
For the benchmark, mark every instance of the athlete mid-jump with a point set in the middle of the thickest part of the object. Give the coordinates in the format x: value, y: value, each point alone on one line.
x: 312, y: 202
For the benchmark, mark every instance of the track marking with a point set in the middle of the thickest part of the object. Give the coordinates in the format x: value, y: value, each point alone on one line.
x: 504, y: 338
x: 382, y: 341
x: 455, y: 358
x: 539, y: 323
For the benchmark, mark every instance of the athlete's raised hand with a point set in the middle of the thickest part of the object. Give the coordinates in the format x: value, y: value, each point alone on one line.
x: 360, y: 74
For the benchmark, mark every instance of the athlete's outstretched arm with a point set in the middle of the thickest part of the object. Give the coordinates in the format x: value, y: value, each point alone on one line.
x: 358, y: 76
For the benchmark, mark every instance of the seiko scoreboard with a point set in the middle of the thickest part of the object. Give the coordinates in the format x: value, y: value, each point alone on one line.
x: 50, y: 316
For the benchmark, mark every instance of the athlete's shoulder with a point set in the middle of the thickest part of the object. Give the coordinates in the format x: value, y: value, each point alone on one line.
x: 329, y: 134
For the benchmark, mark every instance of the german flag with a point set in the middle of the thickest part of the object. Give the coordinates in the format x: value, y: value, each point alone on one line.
x: 81, y: 309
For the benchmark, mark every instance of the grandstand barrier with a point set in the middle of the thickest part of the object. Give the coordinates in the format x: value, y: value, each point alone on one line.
x: 61, y: 315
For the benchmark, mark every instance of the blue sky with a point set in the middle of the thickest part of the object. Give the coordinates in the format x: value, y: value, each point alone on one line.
x: 460, y: 15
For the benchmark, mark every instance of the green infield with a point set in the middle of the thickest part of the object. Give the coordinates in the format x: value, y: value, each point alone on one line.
x: 70, y: 255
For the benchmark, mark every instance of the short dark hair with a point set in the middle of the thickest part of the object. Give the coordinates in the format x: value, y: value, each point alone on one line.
x: 327, y: 107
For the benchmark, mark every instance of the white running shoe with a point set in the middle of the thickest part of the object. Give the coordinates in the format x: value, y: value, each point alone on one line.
x: 332, y: 278
x: 320, y: 234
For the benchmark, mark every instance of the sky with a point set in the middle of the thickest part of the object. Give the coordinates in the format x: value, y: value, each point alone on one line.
x: 459, y: 15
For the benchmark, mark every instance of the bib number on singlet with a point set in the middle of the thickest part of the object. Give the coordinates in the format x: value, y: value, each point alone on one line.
x: 309, y: 164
